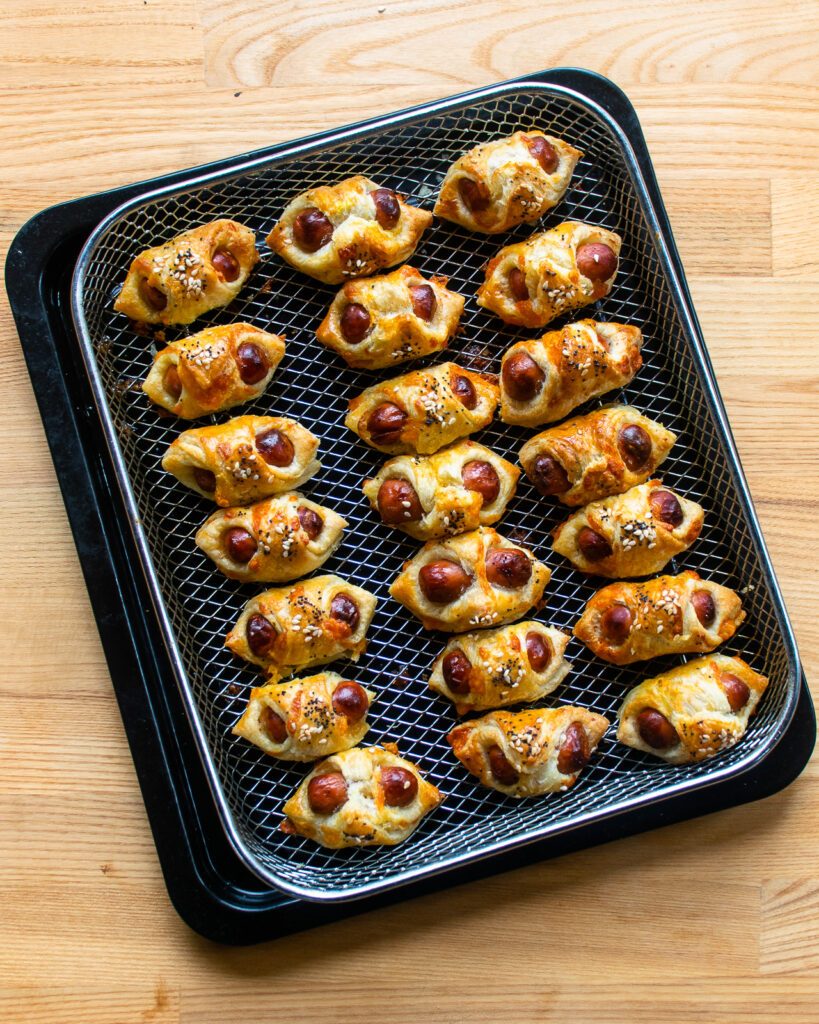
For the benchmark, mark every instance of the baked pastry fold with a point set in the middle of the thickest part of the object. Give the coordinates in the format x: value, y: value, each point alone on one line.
x: 213, y: 370
x: 476, y: 580
x: 373, y: 798
x: 528, y: 753
x: 530, y: 283
x: 516, y: 180
x: 496, y: 667
x: 631, y: 534
x: 247, y: 458
x: 543, y: 380
x: 310, y: 623
x: 306, y: 718
x: 383, y: 321
x: 274, y: 540
x: 594, y: 456
x: 199, y: 270
x: 457, y: 489
x: 691, y: 712
x: 628, y: 622
x: 351, y: 229
x: 423, y: 410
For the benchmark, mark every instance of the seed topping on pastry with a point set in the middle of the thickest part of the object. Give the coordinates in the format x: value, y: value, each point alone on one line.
x: 186, y: 268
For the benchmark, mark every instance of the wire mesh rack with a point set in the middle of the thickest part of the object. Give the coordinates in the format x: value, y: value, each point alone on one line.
x: 197, y: 605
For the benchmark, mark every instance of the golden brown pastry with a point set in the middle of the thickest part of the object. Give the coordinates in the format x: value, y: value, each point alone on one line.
x: 183, y: 278
x: 511, y: 181
x: 495, y: 667
x: 457, y: 489
x: 627, y: 622
x: 307, y: 718
x: 632, y: 534
x: 423, y: 410
x: 530, y: 283
x: 594, y: 456
x: 213, y: 370
x: 247, y: 458
x: 541, y: 381
x: 528, y: 753
x: 473, y: 581
x: 367, y: 796
x: 391, y: 319
x: 352, y: 229
x: 693, y: 711
x: 311, y: 623
x: 275, y: 540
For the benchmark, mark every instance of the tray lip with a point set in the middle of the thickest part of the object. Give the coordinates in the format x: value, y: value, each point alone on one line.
x: 691, y: 330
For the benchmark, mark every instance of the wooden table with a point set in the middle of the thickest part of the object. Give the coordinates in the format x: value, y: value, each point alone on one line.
x: 716, y: 920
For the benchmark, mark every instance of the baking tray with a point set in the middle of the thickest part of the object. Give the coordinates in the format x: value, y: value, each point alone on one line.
x: 38, y: 308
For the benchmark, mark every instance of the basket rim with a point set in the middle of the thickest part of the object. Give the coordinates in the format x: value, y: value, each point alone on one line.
x: 286, y: 152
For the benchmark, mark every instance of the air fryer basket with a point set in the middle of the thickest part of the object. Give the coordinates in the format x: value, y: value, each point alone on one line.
x: 197, y: 606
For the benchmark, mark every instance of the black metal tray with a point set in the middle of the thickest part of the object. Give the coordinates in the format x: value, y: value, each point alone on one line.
x: 211, y: 889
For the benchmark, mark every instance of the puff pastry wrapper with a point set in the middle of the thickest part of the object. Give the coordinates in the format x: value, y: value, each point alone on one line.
x: 208, y: 371
x: 182, y: 271
x: 659, y: 616
x: 597, y: 454
x: 446, y: 504
x: 501, y: 669
x: 364, y: 819
x: 359, y: 245
x: 439, y: 405
x: 581, y: 361
x: 696, y: 700
x: 544, y: 749
x: 233, y: 453
x: 293, y: 536
x: 548, y: 263
x: 482, y: 603
x: 303, y: 626
x: 512, y: 185
x: 303, y: 710
x: 637, y: 540
x: 409, y: 317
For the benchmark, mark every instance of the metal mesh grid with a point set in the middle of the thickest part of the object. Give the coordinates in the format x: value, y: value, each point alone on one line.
x: 313, y: 386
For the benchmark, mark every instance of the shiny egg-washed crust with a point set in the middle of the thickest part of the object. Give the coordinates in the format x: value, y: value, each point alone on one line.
x: 396, y: 334
x: 284, y: 548
x: 581, y: 361
x: 208, y: 370
x: 694, y: 701
x: 182, y: 270
x: 587, y: 449
x: 664, y: 620
x: 364, y: 819
x: 548, y: 263
x: 530, y: 740
x: 482, y: 604
x: 306, y: 633
x: 435, y: 414
x: 359, y: 246
x: 228, y: 450
x: 314, y: 728
x: 518, y: 189
x: 501, y: 672
x: 449, y: 507
x: 640, y: 543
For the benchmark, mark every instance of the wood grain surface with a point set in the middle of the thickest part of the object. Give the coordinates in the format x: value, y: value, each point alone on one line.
x: 712, y: 921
